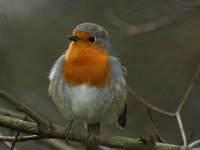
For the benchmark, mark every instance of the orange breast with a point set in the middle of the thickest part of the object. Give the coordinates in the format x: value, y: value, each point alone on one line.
x: 86, y: 63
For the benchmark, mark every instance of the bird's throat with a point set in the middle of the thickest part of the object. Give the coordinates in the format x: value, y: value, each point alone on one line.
x: 86, y: 64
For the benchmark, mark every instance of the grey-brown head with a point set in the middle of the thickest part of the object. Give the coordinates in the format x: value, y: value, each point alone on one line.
x: 91, y: 33
x: 92, y: 28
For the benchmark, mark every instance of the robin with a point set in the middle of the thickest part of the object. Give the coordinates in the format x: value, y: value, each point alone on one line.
x: 87, y: 82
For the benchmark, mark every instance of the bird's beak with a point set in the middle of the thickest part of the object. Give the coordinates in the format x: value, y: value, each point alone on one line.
x: 73, y: 37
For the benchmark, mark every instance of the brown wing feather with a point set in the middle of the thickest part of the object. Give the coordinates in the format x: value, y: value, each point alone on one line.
x: 121, y: 121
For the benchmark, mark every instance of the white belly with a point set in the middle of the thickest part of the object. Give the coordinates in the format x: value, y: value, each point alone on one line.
x: 89, y: 103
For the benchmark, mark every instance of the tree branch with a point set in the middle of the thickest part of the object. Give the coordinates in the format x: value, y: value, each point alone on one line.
x: 150, y: 26
x: 105, y: 140
x: 10, y: 113
x: 180, y: 106
x: 176, y: 114
x: 16, y: 137
x: 25, y: 109
x: 148, y: 105
x: 193, y: 144
x: 181, y: 128
x: 20, y: 138
x: 6, y: 143
x: 186, y: 3
x: 187, y: 93
x: 155, y: 130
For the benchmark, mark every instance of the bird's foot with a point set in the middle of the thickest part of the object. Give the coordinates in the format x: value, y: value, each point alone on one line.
x: 51, y: 126
x: 68, y: 130
x: 93, y: 137
x: 146, y: 140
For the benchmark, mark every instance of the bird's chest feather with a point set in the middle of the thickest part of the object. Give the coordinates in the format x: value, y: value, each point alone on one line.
x: 85, y: 64
x: 86, y: 102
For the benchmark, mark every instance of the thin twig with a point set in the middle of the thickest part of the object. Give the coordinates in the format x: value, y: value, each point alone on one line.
x: 156, y: 132
x: 193, y: 144
x: 14, y: 141
x: 20, y: 138
x: 191, y: 136
x: 10, y: 113
x: 180, y: 106
x: 181, y: 128
x: 148, y: 105
x: 16, y: 137
x: 187, y: 93
x: 169, y: 114
x: 150, y: 26
x: 6, y: 143
x: 186, y: 4
x: 163, y: 112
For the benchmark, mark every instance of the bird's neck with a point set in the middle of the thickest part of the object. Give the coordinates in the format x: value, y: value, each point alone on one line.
x: 85, y: 64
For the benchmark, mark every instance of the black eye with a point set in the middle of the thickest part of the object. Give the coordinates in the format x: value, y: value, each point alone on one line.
x: 91, y: 39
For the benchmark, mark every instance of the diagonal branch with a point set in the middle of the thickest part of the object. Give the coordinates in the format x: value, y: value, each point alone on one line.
x: 23, y: 108
x: 181, y: 128
x: 150, y: 26
x: 157, y: 134
x: 187, y: 93
x: 176, y: 114
x: 16, y: 137
x: 6, y: 142
x: 10, y: 113
x: 180, y: 106
x: 148, y: 105
x: 14, y: 140
x: 193, y: 144
x: 186, y: 3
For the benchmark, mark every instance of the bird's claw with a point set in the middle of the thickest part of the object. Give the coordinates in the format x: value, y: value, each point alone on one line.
x: 146, y: 140
x: 51, y: 126
x: 68, y: 131
x: 94, y: 137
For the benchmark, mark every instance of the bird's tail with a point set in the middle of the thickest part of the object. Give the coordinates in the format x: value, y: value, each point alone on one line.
x: 93, y: 130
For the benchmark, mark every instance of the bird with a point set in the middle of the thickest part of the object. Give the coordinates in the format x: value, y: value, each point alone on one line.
x: 87, y: 82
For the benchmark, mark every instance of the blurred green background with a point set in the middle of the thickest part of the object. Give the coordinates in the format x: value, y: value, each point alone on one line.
x: 160, y: 64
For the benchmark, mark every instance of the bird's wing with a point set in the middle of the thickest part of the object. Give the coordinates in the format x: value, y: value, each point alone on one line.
x: 121, y: 121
